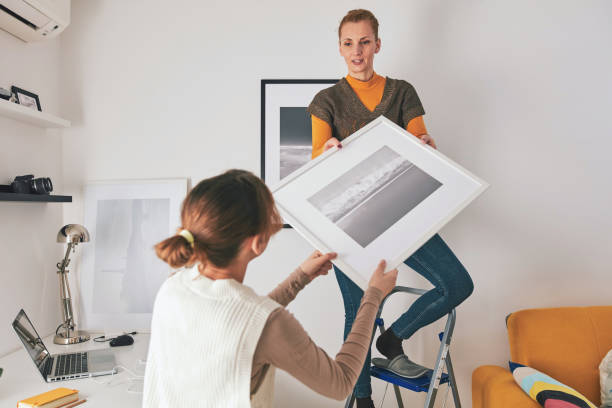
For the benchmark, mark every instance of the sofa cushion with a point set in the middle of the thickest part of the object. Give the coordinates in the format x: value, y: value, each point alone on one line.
x: 567, y: 343
x: 549, y: 392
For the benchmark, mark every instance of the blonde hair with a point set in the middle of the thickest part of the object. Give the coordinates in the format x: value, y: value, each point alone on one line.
x: 357, y: 15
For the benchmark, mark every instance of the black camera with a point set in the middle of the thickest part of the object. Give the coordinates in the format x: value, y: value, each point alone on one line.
x: 28, y: 184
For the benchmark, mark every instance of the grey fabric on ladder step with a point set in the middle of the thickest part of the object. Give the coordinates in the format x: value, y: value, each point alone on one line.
x: 402, y: 366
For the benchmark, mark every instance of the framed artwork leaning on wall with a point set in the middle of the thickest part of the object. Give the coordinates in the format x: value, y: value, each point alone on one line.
x: 120, y: 272
x: 286, y: 130
x: 26, y: 98
x: 381, y: 196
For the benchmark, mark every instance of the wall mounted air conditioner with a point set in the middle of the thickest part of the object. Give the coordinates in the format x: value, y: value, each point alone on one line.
x: 34, y: 20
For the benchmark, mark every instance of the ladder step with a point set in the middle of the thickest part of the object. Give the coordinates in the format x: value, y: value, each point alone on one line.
x: 420, y: 384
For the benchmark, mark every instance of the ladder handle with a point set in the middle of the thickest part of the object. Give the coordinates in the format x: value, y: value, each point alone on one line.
x: 399, y: 289
x: 407, y: 289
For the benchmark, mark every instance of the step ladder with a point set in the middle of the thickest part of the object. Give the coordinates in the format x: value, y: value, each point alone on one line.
x: 429, y: 383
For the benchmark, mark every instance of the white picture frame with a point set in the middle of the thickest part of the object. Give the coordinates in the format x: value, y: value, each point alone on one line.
x: 119, y: 273
x: 363, y: 211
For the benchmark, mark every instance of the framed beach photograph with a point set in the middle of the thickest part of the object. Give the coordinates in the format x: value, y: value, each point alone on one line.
x: 26, y: 98
x: 120, y: 272
x: 286, y: 129
x: 381, y: 196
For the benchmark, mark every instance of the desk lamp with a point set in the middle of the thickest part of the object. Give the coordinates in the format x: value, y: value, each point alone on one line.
x: 73, y: 234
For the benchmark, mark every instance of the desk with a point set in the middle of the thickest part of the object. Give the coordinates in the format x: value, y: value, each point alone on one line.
x: 21, y: 379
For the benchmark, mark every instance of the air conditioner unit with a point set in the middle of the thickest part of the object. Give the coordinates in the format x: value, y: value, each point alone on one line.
x: 34, y: 20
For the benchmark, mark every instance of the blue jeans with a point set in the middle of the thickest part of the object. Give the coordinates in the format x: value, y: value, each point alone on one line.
x: 435, y: 262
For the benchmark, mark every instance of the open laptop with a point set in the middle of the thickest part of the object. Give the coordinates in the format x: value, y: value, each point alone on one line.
x: 60, y: 367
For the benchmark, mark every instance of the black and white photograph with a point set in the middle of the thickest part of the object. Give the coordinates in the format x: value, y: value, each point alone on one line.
x: 372, y: 196
x: 26, y: 98
x: 295, y: 139
x: 286, y: 127
x: 126, y: 232
x: 381, y: 196
x: 120, y: 273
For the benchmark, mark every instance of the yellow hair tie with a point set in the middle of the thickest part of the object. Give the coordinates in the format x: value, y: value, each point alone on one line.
x: 188, y: 236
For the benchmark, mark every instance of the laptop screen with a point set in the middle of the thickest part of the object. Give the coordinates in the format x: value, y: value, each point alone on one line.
x: 31, y: 340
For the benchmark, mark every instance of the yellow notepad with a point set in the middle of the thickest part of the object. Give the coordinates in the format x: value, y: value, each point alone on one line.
x: 50, y: 399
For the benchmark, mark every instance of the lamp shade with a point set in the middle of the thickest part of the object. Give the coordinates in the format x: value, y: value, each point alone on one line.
x: 73, y: 233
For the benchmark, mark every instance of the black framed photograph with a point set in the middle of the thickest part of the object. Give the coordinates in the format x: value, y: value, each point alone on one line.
x: 26, y: 98
x: 286, y: 128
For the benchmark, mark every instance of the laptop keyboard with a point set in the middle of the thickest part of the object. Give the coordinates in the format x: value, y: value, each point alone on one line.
x: 48, y: 365
x: 71, y: 364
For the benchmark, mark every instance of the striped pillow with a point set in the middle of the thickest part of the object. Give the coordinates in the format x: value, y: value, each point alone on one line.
x: 547, y: 391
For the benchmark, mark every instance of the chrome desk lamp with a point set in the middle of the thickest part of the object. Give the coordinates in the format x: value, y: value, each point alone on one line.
x: 72, y: 234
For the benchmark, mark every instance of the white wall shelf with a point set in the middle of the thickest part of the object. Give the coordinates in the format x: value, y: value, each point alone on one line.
x: 31, y: 116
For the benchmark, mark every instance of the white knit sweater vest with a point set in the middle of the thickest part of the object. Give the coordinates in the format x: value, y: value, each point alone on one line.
x: 203, y: 337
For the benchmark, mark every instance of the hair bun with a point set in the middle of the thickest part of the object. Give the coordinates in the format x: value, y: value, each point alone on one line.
x: 176, y: 251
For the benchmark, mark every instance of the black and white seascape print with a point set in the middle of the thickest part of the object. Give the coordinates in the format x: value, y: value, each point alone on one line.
x: 295, y: 139
x: 372, y: 196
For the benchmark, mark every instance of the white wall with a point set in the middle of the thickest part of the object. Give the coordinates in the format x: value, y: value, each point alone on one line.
x: 517, y: 92
x: 28, y: 250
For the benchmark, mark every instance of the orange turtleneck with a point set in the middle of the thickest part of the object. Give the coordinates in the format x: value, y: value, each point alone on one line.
x: 370, y: 94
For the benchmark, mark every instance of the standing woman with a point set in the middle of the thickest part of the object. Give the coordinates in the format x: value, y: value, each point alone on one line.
x: 339, y: 111
x: 213, y: 339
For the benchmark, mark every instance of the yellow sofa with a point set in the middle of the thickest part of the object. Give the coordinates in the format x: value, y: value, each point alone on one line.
x: 566, y: 343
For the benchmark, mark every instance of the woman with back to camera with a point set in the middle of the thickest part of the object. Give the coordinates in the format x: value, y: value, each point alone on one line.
x: 214, y: 339
x: 339, y: 111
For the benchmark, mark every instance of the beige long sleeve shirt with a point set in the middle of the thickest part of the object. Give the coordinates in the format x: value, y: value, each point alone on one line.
x: 285, y: 344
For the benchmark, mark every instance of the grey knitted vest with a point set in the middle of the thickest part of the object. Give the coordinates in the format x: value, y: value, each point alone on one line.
x: 341, y: 108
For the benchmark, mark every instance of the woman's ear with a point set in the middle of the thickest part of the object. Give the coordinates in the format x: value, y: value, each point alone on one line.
x: 259, y: 244
x: 377, y: 46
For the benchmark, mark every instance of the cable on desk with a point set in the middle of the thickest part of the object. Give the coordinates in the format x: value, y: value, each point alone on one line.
x: 102, y: 339
x: 130, y: 380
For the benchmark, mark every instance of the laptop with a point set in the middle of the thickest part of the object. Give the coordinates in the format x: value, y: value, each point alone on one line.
x: 61, y: 367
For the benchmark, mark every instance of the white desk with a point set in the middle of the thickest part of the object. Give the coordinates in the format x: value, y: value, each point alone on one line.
x: 21, y: 379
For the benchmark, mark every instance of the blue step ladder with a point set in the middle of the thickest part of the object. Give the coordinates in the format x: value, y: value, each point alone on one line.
x: 429, y: 383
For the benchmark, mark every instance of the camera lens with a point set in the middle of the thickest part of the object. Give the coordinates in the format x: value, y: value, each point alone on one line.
x: 41, y: 185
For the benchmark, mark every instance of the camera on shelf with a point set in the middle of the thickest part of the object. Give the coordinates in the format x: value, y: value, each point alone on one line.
x: 28, y: 184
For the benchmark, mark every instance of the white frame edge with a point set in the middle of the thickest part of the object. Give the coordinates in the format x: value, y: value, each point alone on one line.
x: 391, y: 264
